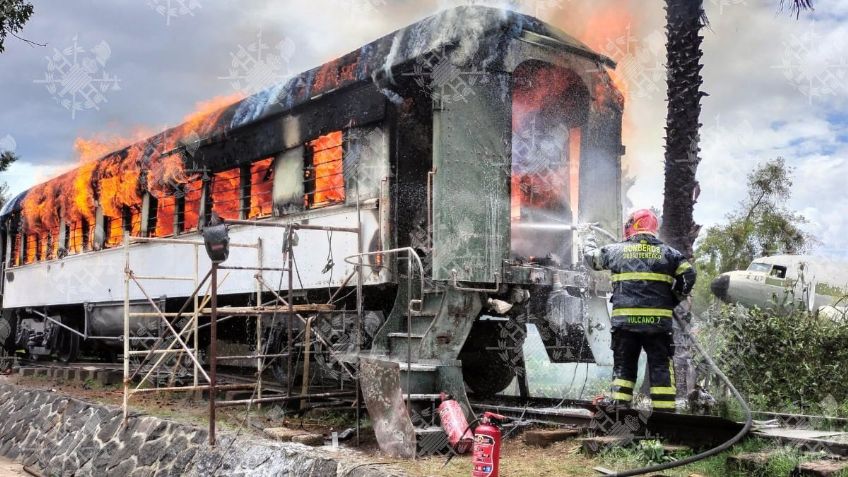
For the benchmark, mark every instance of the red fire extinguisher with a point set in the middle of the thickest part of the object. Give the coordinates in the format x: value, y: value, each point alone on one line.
x: 487, y: 446
x: 454, y: 424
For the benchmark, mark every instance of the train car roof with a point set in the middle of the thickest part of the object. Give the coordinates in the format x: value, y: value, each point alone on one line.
x: 461, y: 27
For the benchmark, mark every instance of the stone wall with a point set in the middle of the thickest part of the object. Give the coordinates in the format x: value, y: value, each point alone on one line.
x: 60, y: 435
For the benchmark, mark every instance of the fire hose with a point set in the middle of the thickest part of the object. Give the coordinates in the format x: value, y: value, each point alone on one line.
x: 715, y: 450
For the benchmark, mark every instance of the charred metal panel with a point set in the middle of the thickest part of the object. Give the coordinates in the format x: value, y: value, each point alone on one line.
x: 451, y: 382
x: 288, y: 187
x: 366, y: 162
x: 446, y: 335
x: 380, y: 381
x: 338, y: 111
x: 601, y: 163
x: 471, y: 156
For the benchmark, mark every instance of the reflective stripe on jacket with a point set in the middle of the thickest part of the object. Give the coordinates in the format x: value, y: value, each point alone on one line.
x: 649, y: 280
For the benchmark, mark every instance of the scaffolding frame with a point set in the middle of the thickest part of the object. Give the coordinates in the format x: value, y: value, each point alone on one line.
x: 176, y: 340
x: 188, y: 332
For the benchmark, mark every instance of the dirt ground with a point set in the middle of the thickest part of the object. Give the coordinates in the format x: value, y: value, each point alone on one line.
x: 518, y: 459
x: 9, y: 468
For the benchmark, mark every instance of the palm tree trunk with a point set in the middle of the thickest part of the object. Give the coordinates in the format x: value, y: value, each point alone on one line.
x: 684, y: 20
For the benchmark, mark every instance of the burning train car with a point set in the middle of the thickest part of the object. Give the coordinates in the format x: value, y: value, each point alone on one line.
x: 483, y: 139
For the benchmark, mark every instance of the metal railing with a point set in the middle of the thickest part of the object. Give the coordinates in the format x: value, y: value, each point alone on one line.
x: 411, y: 310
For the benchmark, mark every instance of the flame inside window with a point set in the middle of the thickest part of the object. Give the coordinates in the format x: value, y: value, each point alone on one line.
x: 325, y: 177
x: 549, y: 108
x: 16, y: 250
x: 191, y: 211
x: 31, y: 248
x: 261, y: 185
x: 226, y: 193
x: 165, y: 210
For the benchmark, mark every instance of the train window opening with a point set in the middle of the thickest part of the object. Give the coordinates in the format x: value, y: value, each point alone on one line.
x: 549, y: 108
x: 114, y: 230
x: 179, y: 214
x: 189, y: 206
x: 244, y: 191
x: 226, y: 193
x: 366, y: 162
x: 261, y: 188
x: 163, y: 219
x: 149, y: 206
x: 66, y: 239
x: 16, y: 250
x: 287, y: 178
x: 30, y: 248
x: 129, y: 222
x: 323, y: 174
x: 85, y: 239
x: 47, y: 251
x: 75, y: 244
x: 127, y: 219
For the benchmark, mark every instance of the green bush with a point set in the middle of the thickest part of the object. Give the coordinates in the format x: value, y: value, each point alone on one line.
x: 785, y: 360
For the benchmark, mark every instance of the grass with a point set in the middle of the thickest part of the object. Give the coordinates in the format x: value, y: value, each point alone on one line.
x: 781, y: 462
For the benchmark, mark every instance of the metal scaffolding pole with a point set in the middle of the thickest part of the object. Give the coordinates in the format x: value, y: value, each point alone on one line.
x: 126, y: 326
x: 213, y: 353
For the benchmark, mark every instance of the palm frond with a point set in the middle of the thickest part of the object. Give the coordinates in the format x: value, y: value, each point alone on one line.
x: 796, y: 6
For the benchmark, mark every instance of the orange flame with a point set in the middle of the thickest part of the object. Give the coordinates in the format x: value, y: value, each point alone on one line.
x: 328, y: 170
x: 167, y: 172
x: 544, y: 152
x: 165, y: 211
x: 191, y: 214
x: 110, y: 176
x: 607, y: 29
x: 261, y: 185
x: 225, y: 191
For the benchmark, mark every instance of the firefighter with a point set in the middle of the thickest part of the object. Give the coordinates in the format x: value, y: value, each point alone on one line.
x: 649, y: 280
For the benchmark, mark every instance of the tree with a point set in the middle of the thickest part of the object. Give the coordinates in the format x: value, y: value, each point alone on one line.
x: 761, y: 225
x: 796, y: 6
x: 6, y: 160
x: 13, y: 15
x: 684, y: 21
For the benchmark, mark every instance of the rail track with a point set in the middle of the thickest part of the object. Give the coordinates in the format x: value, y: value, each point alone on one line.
x: 810, y: 432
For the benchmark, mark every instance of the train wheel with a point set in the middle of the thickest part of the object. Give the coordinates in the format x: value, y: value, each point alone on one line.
x: 279, y: 365
x: 67, y: 345
x: 491, y: 356
x: 7, y: 347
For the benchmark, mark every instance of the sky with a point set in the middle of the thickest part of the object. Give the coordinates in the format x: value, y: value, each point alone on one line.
x: 777, y: 86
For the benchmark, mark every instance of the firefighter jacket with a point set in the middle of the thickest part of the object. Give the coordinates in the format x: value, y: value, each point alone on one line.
x: 649, y: 279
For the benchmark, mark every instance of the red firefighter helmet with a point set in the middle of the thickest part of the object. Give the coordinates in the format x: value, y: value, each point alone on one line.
x: 642, y: 221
